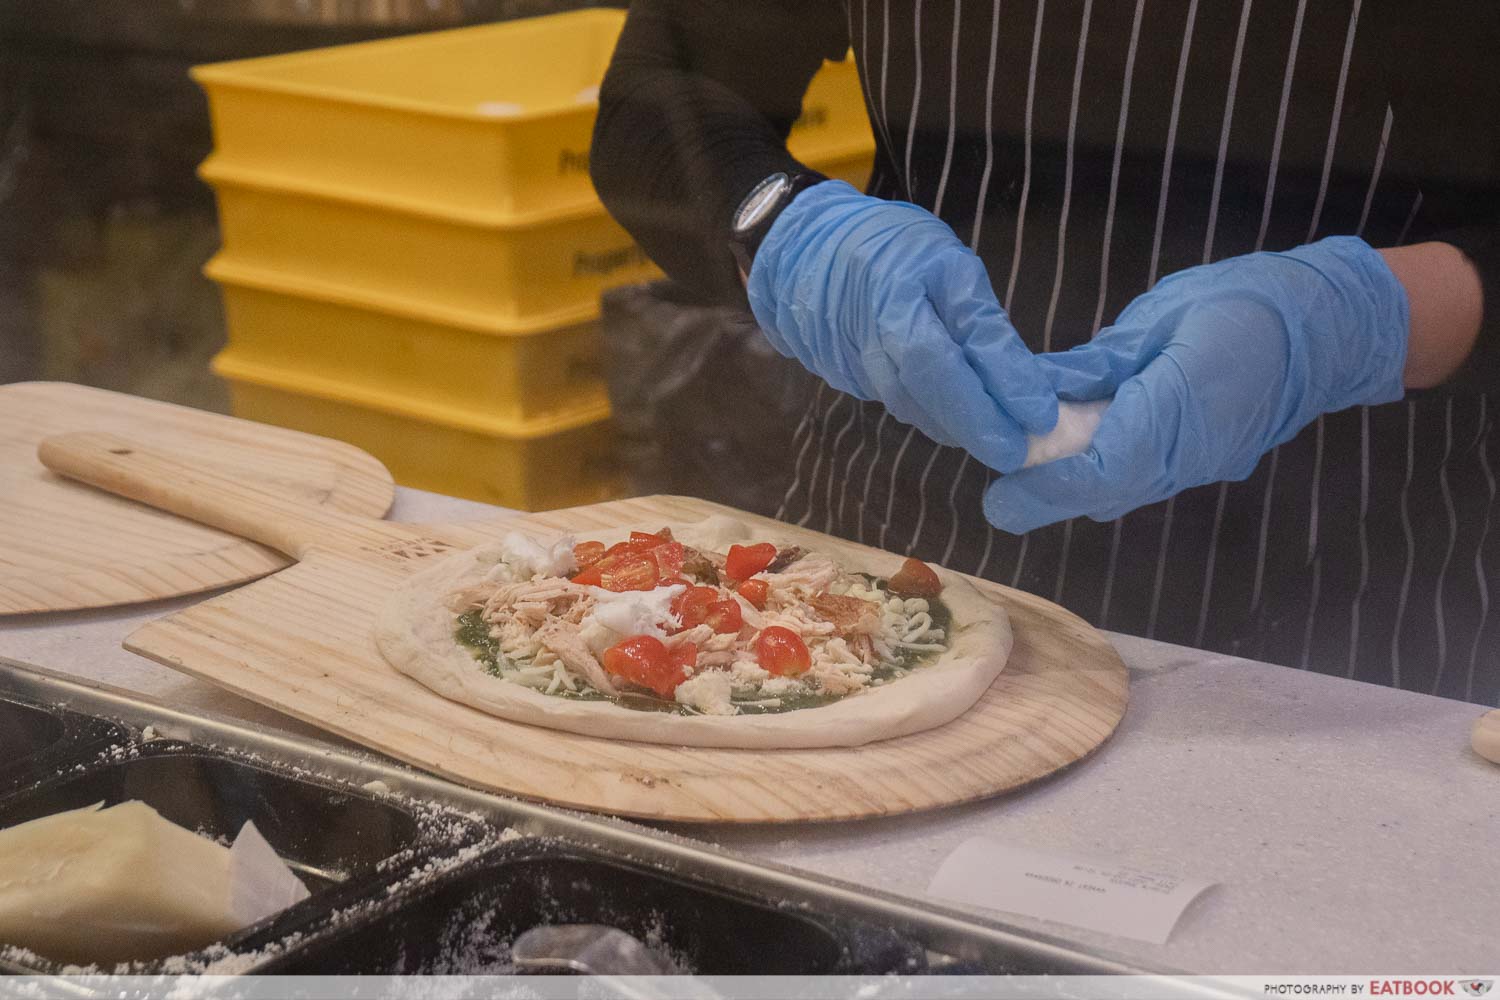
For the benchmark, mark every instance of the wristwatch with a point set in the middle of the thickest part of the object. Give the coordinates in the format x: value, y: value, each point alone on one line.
x: 753, y: 219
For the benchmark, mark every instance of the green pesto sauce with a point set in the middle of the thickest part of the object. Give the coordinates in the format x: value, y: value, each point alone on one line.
x: 474, y: 635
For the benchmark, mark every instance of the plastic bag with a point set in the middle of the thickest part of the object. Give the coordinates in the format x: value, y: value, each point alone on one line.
x: 703, y: 404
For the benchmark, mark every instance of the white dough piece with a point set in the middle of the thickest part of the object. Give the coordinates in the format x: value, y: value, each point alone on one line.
x: 114, y: 885
x: 1076, y: 424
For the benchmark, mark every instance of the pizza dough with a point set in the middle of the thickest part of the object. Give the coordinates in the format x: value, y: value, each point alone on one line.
x: 415, y: 633
x: 120, y: 884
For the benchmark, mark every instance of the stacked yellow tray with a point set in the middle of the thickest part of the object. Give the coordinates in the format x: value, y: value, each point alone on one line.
x: 413, y: 253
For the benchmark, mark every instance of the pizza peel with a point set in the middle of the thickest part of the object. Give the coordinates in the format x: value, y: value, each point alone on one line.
x: 64, y: 547
x: 301, y: 641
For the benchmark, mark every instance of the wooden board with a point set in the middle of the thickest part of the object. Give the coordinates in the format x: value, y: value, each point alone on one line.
x: 1486, y: 736
x: 301, y: 642
x: 64, y: 546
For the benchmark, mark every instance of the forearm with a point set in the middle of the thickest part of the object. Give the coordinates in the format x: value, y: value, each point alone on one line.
x: 694, y: 110
x: 1446, y: 299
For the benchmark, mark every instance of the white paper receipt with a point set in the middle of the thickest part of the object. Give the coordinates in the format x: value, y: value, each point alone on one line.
x: 1114, y: 899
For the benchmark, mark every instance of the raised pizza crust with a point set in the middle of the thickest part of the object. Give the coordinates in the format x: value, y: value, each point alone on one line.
x: 415, y: 634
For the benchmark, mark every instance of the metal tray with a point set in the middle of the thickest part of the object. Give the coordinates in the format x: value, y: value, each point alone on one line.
x: 35, y: 736
x: 386, y: 888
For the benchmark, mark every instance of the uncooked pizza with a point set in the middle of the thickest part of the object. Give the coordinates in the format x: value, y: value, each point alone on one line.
x: 710, y: 634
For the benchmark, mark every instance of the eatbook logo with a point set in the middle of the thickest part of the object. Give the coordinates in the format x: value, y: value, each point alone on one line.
x: 1476, y: 987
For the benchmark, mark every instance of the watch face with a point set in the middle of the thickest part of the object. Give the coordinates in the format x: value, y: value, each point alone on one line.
x: 759, y: 201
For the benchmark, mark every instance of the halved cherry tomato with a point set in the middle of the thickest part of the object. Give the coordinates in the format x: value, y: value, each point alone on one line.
x: 684, y: 654
x: 630, y: 573
x: 915, y: 579
x: 591, y: 577
x: 691, y: 606
x: 724, y: 617
x: 744, y: 561
x: 781, y: 651
x: 588, y: 553
x: 645, y: 660
x: 669, y: 557
x: 640, y: 542
x: 755, y: 591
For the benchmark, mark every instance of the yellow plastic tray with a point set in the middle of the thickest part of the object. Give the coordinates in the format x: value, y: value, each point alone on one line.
x: 488, y: 119
x: 385, y: 346
x: 538, y: 268
x: 560, y: 461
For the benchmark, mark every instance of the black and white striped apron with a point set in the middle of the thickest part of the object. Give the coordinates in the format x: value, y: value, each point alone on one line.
x: 1085, y: 148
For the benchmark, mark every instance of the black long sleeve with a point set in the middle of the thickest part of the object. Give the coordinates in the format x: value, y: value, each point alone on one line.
x: 694, y: 110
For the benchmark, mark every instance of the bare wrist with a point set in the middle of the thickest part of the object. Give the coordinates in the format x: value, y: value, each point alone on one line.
x: 1446, y: 301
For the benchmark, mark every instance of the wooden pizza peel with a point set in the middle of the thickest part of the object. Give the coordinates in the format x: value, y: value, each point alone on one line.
x: 301, y: 641
x: 64, y: 547
x: 1486, y: 736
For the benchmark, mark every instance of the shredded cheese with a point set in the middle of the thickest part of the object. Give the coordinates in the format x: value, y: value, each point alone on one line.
x: 708, y: 692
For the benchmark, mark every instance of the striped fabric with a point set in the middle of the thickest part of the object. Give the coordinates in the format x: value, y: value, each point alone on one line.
x: 1085, y: 148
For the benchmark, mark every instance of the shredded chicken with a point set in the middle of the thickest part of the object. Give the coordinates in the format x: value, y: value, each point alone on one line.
x: 574, y: 654
x: 703, y: 566
x: 697, y: 635
x: 785, y: 557
x: 808, y: 575
x: 849, y: 615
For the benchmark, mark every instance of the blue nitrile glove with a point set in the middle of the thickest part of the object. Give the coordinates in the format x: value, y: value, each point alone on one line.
x: 883, y: 301
x: 1211, y: 369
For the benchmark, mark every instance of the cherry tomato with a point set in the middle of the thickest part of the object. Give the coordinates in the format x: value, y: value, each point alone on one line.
x: 591, y: 577
x: 592, y: 574
x: 916, y: 579
x: 644, y: 660
x: 724, y: 617
x: 781, y: 651
x: 640, y: 542
x: 619, y: 550
x: 682, y: 655
x: 755, y: 591
x: 744, y: 561
x: 630, y: 573
x: 691, y: 606
x: 588, y: 553
x: 669, y: 557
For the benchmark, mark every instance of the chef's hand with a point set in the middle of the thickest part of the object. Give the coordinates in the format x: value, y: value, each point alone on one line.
x: 1211, y: 369
x: 884, y: 302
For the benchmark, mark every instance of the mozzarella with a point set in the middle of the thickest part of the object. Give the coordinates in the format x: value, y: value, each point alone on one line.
x: 617, y: 616
x: 1073, y: 435
x: 528, y: 559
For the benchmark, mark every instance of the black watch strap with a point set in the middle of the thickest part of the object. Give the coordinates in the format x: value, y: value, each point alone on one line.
x: 759, y: 210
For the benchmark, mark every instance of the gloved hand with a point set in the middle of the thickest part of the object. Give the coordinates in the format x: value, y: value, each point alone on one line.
x: 1211, y: 369
x: 884, y: 302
